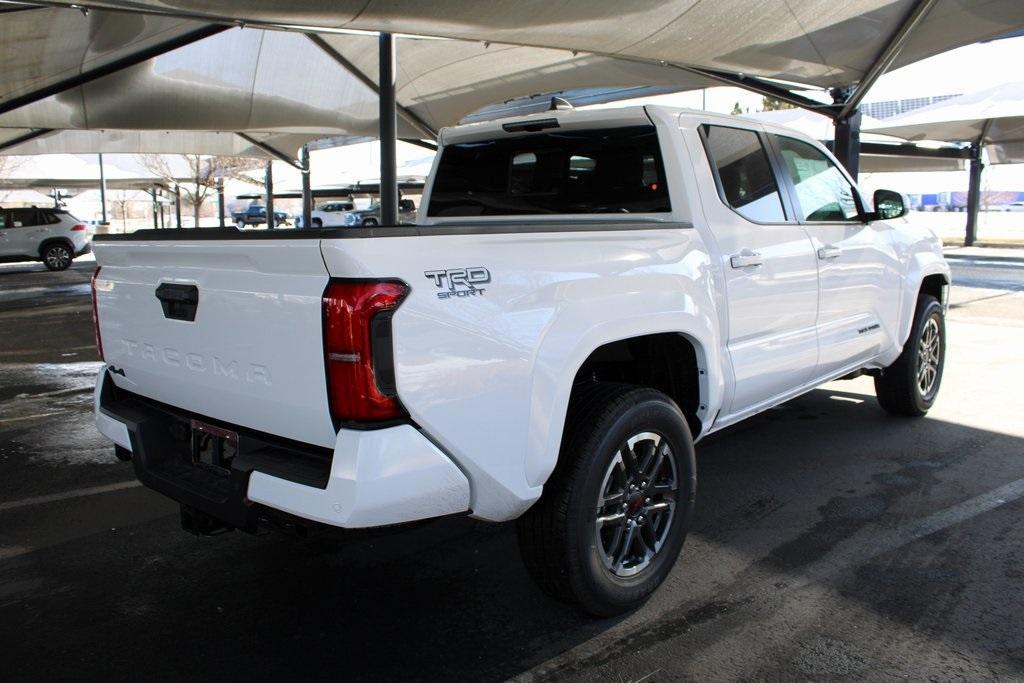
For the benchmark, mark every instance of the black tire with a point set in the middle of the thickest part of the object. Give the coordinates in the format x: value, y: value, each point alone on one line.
x: 899, y: 388
x: 561, y: 545
x: 318, y: 223
x: 370, y: 223
x: 57, y: 255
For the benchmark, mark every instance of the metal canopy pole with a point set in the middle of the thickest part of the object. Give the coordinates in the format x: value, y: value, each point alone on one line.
x: 152, y: 193
x: 103, y: 192
x: 220, y: 202
x: 846, y: 142
x: 410, y: 117
x: 268, y: 183
x: 973, y: 196
x: 388, y: 132
x: 177, y: 205
x: 307, y: 191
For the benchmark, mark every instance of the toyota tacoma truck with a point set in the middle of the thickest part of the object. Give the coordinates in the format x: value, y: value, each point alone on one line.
x: 585, y: 295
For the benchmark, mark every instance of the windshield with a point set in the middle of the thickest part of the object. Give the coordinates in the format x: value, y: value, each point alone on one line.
x: 617, y: 170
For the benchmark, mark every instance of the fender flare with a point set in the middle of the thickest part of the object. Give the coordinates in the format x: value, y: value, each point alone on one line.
x: 555, y: 371
x: 921, y: 265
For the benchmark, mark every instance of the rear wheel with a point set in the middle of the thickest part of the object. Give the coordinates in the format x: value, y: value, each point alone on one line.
x: 370, y: 223
x: 57, y: 256
x: 615, y: 512
x: 910, y: 385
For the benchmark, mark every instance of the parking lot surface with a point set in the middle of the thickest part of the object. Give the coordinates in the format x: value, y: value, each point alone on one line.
x: 831, y: 541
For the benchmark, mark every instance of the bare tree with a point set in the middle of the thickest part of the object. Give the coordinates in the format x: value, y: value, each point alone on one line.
x: 774, y: 104
x: 203, y: 173
x: 121, y: 200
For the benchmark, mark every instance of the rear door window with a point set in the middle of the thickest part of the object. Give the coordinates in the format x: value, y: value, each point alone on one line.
x: 23, y: 218
x: 599, y: 171
x: 745, y: 177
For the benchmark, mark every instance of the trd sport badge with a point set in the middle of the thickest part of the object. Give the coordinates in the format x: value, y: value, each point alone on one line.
x: 458, y: 282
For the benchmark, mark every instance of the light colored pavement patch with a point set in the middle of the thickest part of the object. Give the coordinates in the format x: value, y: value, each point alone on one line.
x: 68, y: 495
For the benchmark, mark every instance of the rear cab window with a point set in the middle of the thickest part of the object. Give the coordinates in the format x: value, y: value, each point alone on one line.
x: 599, y: 171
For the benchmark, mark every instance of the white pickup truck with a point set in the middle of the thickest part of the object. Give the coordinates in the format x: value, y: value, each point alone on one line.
x: 585, y: 295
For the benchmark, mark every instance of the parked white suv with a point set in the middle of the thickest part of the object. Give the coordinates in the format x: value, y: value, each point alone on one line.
x: 327, y: 215
x: 585, y: 295
x: 52, y: 236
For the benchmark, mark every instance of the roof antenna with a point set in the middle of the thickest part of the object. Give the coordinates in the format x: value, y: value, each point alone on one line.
x: 560, y: 103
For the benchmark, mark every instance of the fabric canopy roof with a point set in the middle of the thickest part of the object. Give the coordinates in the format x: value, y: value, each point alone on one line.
x: 993, y: 117
x: 821, y: 128
x: 820, y: 43
x: 145, y: 142
x: 273, y: 82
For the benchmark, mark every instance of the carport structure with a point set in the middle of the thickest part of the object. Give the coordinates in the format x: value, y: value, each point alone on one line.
x: 990, y: 120
x: 164, y: 65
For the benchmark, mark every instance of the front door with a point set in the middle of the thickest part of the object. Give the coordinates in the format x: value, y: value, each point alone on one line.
x: 858, y: 272
x: 769, y: 266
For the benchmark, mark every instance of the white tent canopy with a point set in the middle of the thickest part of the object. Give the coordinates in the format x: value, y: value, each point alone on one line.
x: 144, y: 142
x: 993, y: 118
x: 270, y: 82
x: 816, y: 42
x: 821, y: 128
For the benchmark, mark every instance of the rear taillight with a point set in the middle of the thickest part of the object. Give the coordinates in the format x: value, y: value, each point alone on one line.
x: 357, y: 349
x: 96, y: 314
x: 79, y: 227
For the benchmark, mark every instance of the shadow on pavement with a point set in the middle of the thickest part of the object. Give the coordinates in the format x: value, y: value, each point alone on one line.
x: 450, y: 599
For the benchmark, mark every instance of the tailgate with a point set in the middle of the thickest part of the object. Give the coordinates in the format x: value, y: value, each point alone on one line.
x: 253, y: 354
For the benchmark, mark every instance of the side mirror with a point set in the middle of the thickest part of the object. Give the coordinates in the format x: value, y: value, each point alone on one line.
x: 889, y: 205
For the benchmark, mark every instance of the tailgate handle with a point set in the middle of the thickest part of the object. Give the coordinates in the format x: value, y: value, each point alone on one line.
x: 179, y: 301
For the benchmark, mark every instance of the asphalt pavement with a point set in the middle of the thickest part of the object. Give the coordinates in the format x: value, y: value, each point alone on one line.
x: 831, y: 542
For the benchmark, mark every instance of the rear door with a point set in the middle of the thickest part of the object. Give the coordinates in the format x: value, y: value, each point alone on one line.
x: 769, y: 265
x: 858, y: 272
x: 26, y: 231
x: 229, y: 329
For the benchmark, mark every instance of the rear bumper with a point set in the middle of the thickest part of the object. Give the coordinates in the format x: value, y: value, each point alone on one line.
x: 85, y: 249
x: 371, y: 478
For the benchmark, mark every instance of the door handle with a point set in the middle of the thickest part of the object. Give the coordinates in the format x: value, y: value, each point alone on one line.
x: 178, y: 301
x: 746, y: 260
x: 829, y: 252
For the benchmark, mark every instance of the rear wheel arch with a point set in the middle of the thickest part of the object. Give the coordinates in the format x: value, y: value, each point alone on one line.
x: 46, y: 244
x: 669, y: 362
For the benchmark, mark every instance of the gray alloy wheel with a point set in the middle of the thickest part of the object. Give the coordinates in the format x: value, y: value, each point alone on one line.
x: 637, y: 504
x: 911, y: 384
x: 929, y: 355
x: 57, y: 256
x: 614, y: 513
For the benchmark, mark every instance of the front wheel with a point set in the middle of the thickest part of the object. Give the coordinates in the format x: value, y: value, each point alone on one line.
x: 57, y: 256
x: 370, y: 223
x: 615, y: 512
x: 910, y: 385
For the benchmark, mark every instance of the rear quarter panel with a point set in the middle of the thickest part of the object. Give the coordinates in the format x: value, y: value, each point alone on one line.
x: 488, y: 376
